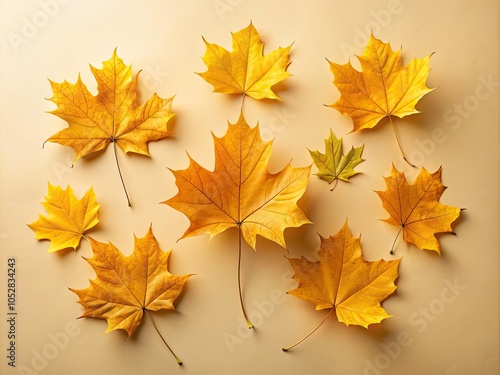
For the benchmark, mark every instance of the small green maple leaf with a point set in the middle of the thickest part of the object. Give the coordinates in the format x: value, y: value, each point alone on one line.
x: 333, y: 165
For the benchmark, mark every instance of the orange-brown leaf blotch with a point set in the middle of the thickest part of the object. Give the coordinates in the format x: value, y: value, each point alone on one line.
x: 383, y: 88
x: 110, y: 116
x: 125, y: 287
x: 416, y: 208
x: 245, y: 70
x: 240, y: 192
x: 69, y: 218
x: 344, y: 281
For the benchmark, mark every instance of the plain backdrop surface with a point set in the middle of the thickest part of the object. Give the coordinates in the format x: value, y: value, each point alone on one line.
x: 446, y: 309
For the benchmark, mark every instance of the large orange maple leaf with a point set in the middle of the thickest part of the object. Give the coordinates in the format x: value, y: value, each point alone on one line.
x: 416, y: 208
x: 240, y: 192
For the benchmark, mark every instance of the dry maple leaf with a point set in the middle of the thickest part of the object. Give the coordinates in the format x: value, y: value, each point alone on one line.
x: 111, y: 116
x: 69, y: 218
x: 344, y: 282
x: 240, y: 192
x: 416, y: 208
x: 126, y: 288
x: 384, y: 87
x: 245, y: 70
x: 333, y: 165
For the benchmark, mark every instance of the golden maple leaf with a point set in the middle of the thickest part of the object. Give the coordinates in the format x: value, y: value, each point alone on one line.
x: 416, y: 208
x: 126, y: 288
x: 111, y: 116
x: 245, y: 70
x: 240, y: 192
x: 383, y: 88
x: 69, y: 218
x: 341, y: 280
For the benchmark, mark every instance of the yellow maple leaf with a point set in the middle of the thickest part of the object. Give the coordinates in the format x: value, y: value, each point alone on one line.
x: 126, y: 288
x: 416, y: 208
x: 245, y: 70
x: 383, y: 88
x: 69, y: 218
x: 111, y: 116
x: 240, y: 192
x: 341, y: 280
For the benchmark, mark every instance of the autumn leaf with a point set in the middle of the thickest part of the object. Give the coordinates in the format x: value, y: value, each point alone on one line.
x: 126, y: 288
x: 240, y: 192
x: 416, y: 208
x: 342, y: 281
x: 245, y: 70
x: 333, y: 165
x: 384, y: 87
x: 111, y: 116
x: 69, y: 218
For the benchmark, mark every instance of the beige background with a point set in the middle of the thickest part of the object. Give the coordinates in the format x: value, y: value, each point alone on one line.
x: 446, y: 308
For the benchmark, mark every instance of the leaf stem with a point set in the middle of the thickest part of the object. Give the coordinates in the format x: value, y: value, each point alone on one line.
x: 250, y: 325
x: 399, y: 143
x: 394, y: 243
x: 335, y: 181
x: 310, y: 333
x: 120, y: 173
x: 156, y: 328
x: 242, y: 102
